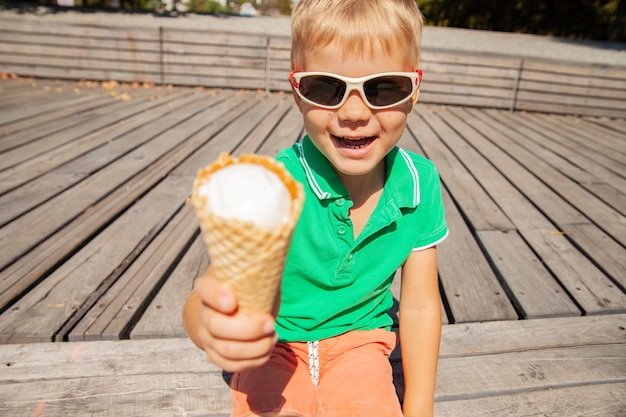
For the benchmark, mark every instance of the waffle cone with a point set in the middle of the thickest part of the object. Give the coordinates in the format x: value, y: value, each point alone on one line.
x: 248, y: 258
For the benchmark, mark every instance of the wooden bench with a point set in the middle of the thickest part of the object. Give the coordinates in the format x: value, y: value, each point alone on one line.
x: 177, y: 56
x: 563, y: 367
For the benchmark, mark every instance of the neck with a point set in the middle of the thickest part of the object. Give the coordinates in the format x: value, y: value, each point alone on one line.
x: 362, y: 187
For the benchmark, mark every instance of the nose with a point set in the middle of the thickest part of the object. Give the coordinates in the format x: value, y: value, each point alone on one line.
x: 354, y: 109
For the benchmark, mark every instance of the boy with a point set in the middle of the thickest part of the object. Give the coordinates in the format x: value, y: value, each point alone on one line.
x: 370, y: 208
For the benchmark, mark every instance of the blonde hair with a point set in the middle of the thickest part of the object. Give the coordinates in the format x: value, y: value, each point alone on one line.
x: 358, y: 26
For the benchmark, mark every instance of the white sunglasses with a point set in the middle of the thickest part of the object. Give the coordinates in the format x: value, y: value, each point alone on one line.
x: 379, y: 91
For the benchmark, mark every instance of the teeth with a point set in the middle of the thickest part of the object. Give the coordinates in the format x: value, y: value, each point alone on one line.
x: 355, y: 143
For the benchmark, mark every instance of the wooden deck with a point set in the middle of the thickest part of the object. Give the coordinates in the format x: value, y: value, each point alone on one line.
x: 98, y: 243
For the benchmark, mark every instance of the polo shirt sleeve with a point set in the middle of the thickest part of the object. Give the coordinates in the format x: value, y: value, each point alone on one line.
x: 431, y: 227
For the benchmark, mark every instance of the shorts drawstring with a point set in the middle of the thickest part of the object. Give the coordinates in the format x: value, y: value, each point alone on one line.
x: 314, y: 362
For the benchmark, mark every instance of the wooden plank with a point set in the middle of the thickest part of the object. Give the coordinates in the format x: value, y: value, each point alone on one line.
x: 135, y: 69
x: 505, y: 76
x: 432, y: 96
x: 436, y: 85
x: 572, y: 100
x: 158, y: 394
x: 163, y: 317
x: 267, y: 130
x: 606, y: 252
x: 280, y: 43
x: 56, y: 30
x: 287, y: 132
x: 27, y: 270
x: 472, y: 290
x: 605, y: 149
x: 51, y: 120
x: 517, y: 372
x: 218, y: 79
x: 175, y: 50
x: 70, y: 203
x: 186, y: 63
x: 488, y: 366
x: 127, y: 378
x: 527, y: 281
x: 477, y: 339
x: 604, y: 400
x: 120, y: 307
x: 469, y: 58
x: 47, y: 39
x: 56, y: 142
x: 191, y: 36
x: 112, y: 115
x: 122, y: 53
x: 72, y: 73
x: 21, y: 102
x: 587, y: 284
x: 589, y: 71
x: 91, y: 153
x: 49, y: 101
x: 596, y: 178
x: 536, y: 106
x: 234, y: 73
x: 103, y: 358
x: 573, y: 90
x: 566, y: 156
x: 502, y: 86
x: 76, y: 199
x: 478, y: 208
x: 602, y: 76
x: 40, y: 314
x: 527, y: 371
x: 611, y: 132
x: 547, y: 180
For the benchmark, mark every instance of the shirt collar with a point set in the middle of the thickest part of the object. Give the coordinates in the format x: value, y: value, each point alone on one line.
x: 402, y: 184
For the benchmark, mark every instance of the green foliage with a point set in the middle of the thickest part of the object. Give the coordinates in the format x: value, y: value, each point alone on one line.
x: 208, y: 6
x: 579, y: 19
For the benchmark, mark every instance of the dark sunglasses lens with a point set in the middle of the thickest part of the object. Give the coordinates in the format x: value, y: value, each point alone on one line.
x: 320, y: 89
x: 387, y: 90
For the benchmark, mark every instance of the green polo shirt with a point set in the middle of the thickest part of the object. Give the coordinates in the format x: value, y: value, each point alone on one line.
x: 334, y: 283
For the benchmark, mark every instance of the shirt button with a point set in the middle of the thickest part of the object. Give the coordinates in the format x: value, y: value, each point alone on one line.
x: 341, y: 231
x: 340, y: 202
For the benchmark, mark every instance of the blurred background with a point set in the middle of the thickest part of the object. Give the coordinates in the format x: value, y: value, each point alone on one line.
x: 600, y: 20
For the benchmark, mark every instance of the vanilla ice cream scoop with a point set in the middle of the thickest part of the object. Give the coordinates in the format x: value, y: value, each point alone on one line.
x: 248, y: 192
x: 247, y: 209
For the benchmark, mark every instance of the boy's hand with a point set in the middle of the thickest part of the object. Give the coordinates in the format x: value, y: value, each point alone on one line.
x: 232, y: 339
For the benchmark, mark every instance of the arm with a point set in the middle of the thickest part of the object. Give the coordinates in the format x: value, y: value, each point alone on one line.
x: 420, y: 331
x: 232, y: 339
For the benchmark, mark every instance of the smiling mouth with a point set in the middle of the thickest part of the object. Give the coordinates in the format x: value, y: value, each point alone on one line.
x: 354, y: 143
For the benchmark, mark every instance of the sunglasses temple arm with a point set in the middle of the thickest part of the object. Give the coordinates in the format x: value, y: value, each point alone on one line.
x: 292, y: 80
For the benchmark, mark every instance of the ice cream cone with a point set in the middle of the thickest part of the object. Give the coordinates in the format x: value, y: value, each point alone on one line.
x: 248, y: 258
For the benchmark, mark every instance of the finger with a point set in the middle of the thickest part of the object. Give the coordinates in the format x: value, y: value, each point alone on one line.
x: 234, y: 357
x: 243, y: 351
x: 215, y: 294
x: 241, y: 326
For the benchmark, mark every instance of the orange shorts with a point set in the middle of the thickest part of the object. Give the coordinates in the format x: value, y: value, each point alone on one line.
x: 343, y: 376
